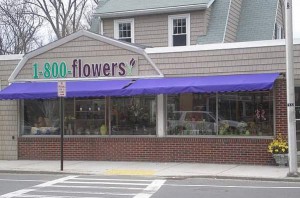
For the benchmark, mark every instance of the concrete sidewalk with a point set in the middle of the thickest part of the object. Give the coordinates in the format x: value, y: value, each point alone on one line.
x: 150, y: 169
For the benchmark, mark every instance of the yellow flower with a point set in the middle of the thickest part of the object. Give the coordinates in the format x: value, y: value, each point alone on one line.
x: 278, y: 145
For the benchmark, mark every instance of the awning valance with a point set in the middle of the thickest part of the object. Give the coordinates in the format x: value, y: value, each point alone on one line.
x: 205, y: 84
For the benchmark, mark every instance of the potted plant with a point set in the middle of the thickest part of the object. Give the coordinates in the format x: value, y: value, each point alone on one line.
x: 279, y: 149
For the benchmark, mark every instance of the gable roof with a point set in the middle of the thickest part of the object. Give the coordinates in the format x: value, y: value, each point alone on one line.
x: 217, y: 23
x: 124, y: 45
x: 122, y: 8
x: 257, y: 20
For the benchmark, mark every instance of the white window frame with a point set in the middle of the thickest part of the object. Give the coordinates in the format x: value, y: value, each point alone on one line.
x: 116, y: 27
x: 170, y: 27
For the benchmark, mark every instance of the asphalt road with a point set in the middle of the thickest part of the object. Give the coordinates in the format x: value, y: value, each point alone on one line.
x: 88, y: 186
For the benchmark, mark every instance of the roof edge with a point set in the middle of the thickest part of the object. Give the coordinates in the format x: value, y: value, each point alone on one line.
x: 183, y: 8
x: 219, y: 46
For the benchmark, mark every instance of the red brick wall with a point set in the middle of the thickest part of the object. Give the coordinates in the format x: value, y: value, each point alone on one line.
x: 168, y: 149
x: 204, y: 150
x: 281, y: 106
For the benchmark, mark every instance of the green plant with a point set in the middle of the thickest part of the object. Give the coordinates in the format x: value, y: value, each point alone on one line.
x: 224, y: 128
x: 279, y: 145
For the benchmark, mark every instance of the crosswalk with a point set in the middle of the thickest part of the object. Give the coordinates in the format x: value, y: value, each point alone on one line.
x: 90, y: 187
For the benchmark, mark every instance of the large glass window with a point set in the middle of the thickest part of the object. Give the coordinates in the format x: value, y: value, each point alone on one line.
x: 40, y: 117
x: 133, y: 115
x: 191, y: 114
x: 248, y: 114
x: 91, y: 116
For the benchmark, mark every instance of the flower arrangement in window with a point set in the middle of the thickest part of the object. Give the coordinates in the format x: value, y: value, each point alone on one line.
x: 279, y: 145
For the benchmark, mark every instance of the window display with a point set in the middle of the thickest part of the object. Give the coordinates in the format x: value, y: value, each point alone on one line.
x: 133, y: 115
x: 248, y: 114
x: 40, y: 117
x: 90, y: 116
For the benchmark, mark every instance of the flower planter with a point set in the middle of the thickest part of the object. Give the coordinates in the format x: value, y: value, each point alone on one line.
x: 281, y: 159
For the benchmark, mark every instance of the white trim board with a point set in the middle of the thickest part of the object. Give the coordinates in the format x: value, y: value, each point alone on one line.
x: 11, y: 57
x: 131, y: 13
x: 219, y: 46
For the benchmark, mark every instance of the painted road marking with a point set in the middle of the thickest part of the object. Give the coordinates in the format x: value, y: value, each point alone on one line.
x: 90, y: 193
x: 23, y: 180
x: 126, y: 180
x: 107, y: 183
x: 16, y: 193
x: 51, y: 183
x: 130, y: 172
x: 151, y: 189
x: 97, y: 187
x: 20, y: 193
x: 60, y: 187
x: 250, y: 187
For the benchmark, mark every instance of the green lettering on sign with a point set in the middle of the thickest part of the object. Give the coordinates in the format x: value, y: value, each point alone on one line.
x: 47, y: 70
x: 63, y: 69
x: 35, y: 71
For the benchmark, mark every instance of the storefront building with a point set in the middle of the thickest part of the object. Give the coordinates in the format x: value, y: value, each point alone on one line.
x: 210, y: 103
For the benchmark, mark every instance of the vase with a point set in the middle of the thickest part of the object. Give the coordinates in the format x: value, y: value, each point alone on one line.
x: 281, y: 159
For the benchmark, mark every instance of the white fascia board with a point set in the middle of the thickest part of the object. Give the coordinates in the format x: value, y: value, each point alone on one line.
x: 219, y: 46
x: 153, y: 11
x: 227, y: 18
x: 11, y: 57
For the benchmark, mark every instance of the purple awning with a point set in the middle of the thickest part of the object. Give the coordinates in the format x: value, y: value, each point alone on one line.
x: 47, y: 90
x: 206, y: 84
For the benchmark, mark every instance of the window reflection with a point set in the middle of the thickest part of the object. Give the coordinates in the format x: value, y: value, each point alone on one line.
x: 40, y: 117
x: 239, y: 114
x: 133, y: 115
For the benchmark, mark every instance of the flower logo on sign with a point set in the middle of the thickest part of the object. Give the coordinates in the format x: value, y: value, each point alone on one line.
x: 130, y: 66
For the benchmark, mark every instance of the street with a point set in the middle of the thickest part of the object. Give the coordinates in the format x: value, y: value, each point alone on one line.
x: 89, y: 186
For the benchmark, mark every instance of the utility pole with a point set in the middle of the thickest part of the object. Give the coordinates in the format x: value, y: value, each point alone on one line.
x: 290, y: 87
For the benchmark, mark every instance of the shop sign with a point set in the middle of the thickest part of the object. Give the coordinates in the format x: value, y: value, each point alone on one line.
x: 79, y: 68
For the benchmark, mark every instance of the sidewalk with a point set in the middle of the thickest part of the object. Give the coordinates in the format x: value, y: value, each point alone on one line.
x: 150, y: 169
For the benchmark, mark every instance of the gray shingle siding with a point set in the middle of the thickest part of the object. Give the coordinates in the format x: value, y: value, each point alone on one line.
x: 217, y: 23
x: 233, y: 21
x: 257, y: 20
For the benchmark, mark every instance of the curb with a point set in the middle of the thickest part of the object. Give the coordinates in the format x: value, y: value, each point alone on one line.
x: 297, y: 179
x: 286, y: 179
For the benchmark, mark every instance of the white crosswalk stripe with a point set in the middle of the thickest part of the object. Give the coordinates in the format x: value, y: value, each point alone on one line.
x: 90, y: 187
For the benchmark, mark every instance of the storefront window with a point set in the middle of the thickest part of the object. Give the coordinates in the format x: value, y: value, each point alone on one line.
x: 249, y: 114
x: 86, y: 116
x: 90, y: 116
x: 40, y: 117
x: 133, y: 115
x: 191, y: 114
x: 239, y: 114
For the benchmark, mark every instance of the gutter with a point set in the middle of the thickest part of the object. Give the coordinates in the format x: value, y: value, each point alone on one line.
x: 183, y: 8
